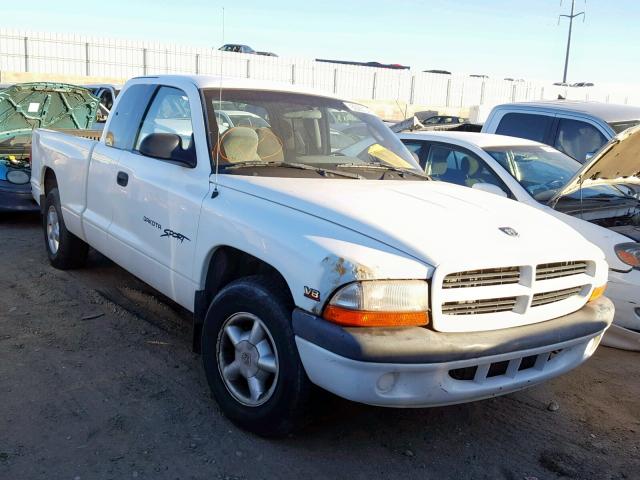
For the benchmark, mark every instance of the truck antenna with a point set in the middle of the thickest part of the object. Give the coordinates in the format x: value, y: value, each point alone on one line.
x: 215, y: 192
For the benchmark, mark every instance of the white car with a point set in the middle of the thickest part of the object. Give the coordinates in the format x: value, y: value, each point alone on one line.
x: 605, y: 210
x: 238, y: 118
x: 307, y: 264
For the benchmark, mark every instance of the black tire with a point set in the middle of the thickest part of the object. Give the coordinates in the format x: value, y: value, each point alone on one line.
x: 71, y: 251
x: 285, y: 409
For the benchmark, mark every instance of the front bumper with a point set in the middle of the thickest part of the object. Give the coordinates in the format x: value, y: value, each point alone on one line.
x: 16, y: 198
x: 417, y: 367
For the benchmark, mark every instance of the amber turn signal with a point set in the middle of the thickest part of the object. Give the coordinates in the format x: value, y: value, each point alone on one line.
x: 359, y: 318
x: 597, y: 292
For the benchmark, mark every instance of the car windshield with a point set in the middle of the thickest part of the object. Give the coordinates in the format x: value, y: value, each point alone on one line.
x: 619, y: 127
x: 542, y: 171
x: 259, y: 127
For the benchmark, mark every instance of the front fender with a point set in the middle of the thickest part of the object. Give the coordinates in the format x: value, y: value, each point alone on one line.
x: 312, y: 254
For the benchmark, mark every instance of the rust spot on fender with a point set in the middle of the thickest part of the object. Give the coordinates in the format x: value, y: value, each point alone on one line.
x: 337, y: 272
x: 339, y: 267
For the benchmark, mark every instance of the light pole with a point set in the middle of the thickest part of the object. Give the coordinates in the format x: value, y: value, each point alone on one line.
x: 570, y: 17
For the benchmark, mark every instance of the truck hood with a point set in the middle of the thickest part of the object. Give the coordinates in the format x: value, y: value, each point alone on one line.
x: 434, y: 222
x: 26, y: 106
x: 617, y: 162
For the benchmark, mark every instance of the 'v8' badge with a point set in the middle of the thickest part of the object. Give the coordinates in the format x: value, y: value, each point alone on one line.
x: 312, y: 293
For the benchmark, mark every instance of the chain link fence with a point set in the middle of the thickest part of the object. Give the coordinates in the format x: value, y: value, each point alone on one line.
x: 64, y: 54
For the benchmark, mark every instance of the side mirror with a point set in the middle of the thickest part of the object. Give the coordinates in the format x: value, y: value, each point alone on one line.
x: 490, y: 188
x: 167, y: 146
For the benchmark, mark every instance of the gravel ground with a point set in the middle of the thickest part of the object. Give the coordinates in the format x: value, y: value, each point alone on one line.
x: 98, y: 381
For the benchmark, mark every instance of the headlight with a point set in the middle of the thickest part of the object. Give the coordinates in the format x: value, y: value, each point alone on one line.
x: 19, y: 177
x: 383, y: 303
x: 629, y: 253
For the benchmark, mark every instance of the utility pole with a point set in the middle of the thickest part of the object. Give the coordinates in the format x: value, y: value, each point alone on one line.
x: 570, y: 17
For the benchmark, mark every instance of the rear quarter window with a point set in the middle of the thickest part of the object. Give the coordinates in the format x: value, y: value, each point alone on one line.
x: 525, y: 125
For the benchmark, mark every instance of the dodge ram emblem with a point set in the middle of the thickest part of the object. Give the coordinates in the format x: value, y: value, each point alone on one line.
x: 510, y: 231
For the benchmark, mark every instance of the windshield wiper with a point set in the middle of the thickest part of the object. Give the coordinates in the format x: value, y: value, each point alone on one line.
x: 603, y: 198
x: 301, y: 166
x: 384, y: 166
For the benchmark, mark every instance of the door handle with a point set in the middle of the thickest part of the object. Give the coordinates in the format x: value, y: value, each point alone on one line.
x: 122, y: 179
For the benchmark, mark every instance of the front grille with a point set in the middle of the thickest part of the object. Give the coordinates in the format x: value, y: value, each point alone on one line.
x: 482, y: 278
x: 475, y: 307
x: 555, y: 296
x: 547, y: 271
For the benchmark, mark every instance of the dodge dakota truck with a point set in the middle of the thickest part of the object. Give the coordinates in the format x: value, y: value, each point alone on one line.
x: 305, y: 263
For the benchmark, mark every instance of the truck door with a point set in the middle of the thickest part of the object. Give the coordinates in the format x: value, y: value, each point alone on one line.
x: 158, y: 201
x: 101, y: 188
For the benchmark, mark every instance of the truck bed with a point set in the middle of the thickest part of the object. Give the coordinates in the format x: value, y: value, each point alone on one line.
x: 68, y: 152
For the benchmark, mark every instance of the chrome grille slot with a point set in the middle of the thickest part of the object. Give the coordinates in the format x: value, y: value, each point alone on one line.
x: 476, y: 307
x: 482, y: 278
x: 547, y: 271
x: 554, y: 296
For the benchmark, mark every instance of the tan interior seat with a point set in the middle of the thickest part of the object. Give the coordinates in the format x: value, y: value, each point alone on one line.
x: 269, y: 145
x: 240, y: 144
x: 438, y: 163
x: 470, y: 167
x: 293, y: 139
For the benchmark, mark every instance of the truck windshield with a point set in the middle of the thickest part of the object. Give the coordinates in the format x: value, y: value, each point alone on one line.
x: 542, y: 171
x: 278, y: 129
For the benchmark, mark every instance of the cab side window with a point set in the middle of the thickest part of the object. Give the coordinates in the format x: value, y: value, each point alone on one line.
x: 106, y: 99
x: 125, y: 120
x: 169, y: 112
x: 417, y: 149
x: 167, y: 126
x: 525, y: 125
x: 578, y: 139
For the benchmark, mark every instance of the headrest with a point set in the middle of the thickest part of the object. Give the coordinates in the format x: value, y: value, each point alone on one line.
x: 269, y: 145
x: 439, y: 163
x: 240, y: 145
x: 469, y: 165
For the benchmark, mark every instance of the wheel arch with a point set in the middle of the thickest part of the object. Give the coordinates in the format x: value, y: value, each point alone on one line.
x: 224, y: 264
x: 48, y: 181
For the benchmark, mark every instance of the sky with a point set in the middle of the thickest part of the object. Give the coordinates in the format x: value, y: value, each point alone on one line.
x: 499, y: 38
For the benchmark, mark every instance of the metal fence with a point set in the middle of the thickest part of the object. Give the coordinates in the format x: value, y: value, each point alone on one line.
x: 64, y: 54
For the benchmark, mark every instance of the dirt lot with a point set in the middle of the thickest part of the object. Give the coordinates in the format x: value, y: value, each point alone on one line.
x: 97, y: 380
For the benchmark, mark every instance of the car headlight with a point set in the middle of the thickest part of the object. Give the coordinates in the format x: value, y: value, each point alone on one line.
x: 629, y: 253
x: 380, y: 303
x: 18, y: 177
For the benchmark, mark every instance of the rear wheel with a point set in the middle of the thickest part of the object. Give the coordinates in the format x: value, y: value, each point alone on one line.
x: 64, y: 249
x: 251, y: 359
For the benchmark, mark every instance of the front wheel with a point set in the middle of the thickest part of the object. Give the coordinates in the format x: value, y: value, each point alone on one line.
x: 251, y: 360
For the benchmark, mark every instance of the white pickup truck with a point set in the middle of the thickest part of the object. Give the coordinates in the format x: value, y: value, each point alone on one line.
x: 305, y: 263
